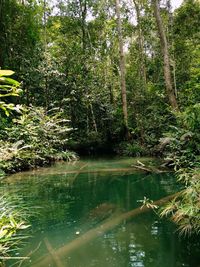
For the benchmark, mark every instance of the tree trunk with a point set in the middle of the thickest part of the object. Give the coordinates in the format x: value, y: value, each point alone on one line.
x: 122, y: 67
x: 165, y: 51
x: 46, y: 80
x: 1, y: 15
x: 45, y: 23
x: 93, y: 118
x: 83, y: 14
x: 143, y: 75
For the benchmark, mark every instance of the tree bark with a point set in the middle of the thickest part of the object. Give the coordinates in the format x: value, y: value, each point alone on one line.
x: 46, y: 83
x: 1, y: 15
x: 93, y: 118
x: 165, y: 51
x: 122, y: 66
x: 45, y: 23
x: 143, y: 75
x: 83, y: 14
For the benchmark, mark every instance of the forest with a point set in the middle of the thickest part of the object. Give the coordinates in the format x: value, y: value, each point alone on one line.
x: 100, y: 77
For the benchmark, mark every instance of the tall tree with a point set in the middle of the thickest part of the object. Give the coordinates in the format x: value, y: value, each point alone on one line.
x: 83, y: 14
x: 122, y: 65
x: 141, y: 45
x: 166, y: 58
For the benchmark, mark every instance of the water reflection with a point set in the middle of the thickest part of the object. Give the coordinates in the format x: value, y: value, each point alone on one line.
x: 75, y: 204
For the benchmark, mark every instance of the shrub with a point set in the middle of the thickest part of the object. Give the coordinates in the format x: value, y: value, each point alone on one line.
x: 35, y: 138
x: 131, y: 149
x: 13, y: 222
x: 183, y: 154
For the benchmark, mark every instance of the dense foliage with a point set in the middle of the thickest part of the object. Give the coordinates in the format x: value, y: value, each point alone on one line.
x: 8, y: 88
x: 183, y: 154
x: 36, y: 137
x: 13, y: 221
x: 80, y: 61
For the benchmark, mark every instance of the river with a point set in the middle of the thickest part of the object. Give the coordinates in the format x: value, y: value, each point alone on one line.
x: 71, y: 204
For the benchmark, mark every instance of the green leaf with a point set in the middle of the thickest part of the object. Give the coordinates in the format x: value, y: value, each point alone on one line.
x: 2, y: 79
x: 11, y: 81
x: 3, y: 233
x: 6, y: 72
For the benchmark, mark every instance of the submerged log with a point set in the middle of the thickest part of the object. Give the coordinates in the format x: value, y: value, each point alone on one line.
x: 99, y: 231
x: 102, y: 211
x: 54, y: 256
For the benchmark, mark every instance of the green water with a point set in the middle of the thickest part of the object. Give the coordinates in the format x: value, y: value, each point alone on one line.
x: 71, y: 199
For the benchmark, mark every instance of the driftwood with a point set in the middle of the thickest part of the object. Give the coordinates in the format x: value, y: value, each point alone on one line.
x: 99, y: 231
x: 149, y: 169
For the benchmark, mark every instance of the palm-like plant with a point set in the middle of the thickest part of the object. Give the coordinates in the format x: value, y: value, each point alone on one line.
x: 8, y: 88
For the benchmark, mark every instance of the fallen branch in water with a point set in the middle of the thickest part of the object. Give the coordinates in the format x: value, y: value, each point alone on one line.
x: 73, y: 178
x: 54, y: 256
x: 12, y: 178
x: 100, y: 230
x: 148, y: 169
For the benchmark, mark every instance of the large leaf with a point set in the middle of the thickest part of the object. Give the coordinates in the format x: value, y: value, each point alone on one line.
x: 9, y: 81
x: 6, y: 72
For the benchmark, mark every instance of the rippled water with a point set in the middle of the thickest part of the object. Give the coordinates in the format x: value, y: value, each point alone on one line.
x: 78, y: 209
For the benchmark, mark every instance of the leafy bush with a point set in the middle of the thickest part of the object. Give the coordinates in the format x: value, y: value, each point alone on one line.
x: 8, y: 88
x: 184, y: 148
x: 131, y: 149
x: 13, y: 222
x: 184, y: 210
x: 183, y: 154
x: 35, y: 138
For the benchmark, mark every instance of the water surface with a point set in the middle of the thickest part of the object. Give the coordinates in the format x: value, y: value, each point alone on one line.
x: 75, y: 200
